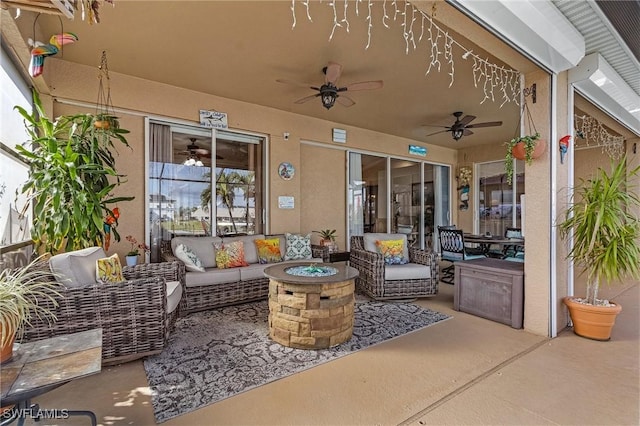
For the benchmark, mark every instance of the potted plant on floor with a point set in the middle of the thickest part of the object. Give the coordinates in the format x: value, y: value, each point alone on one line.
x: 605, y: 234
x: 25, y: 293
x: 71, y: 178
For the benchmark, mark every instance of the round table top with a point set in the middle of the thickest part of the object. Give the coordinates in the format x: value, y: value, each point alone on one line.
x: 278, y: 272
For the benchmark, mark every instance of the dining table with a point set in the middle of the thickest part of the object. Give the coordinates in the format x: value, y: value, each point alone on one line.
x: 485, y: 241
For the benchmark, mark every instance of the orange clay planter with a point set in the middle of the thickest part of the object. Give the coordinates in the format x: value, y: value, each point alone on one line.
x: 518, y: 151
x: 593, y: 322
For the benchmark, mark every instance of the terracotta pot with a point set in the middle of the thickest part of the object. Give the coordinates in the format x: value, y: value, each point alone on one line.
x: 593, y: 322
x: 6, y: 352
x: 518, y: 151
x: 101, y: 124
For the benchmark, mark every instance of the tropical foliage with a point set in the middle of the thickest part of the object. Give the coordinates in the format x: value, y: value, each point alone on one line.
x: 71, y: 178
x: 529, y: 146
x: 25, y: 293
x: 228, y: 185
x: 603, y: 227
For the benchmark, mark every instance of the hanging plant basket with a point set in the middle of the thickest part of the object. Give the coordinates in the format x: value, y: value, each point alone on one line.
x: 519, y: 150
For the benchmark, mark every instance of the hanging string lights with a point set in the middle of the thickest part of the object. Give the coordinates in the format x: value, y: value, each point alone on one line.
x: 591, y: 133
x: 497, y: 82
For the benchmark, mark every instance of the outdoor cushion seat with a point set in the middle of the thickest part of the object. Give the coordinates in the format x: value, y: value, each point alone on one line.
x: 213, y: 276
x: 381, y: 281
x: 135, y: 315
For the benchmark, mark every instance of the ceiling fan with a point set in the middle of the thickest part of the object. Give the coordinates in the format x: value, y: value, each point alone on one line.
x: 329, y: 92
x: 461, y: 127
x: 195, y: 153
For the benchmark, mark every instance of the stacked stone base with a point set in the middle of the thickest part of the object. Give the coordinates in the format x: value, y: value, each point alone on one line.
x: 311, y: 316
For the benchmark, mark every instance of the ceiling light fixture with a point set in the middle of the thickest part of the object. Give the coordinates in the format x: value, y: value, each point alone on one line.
x: 329, y: 93
x: 457, y: 134
x: 193, y: 160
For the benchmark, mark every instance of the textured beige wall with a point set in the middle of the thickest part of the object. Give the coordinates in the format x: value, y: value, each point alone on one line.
x: 323, y: 186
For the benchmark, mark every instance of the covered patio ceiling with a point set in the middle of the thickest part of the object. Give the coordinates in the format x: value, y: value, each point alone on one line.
x: 238, y: 49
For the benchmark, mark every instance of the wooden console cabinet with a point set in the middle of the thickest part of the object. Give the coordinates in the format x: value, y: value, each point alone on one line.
x: 490, y: 288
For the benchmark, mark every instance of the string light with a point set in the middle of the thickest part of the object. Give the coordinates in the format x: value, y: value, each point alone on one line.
x: 441, y: 45
x: 593, y: 132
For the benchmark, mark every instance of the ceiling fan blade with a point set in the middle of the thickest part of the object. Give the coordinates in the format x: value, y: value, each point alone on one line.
x: 467, y: 132
x: 436, y: 125
x: 364, y: 85
x: 294, y: 83
x: 441, y: 131
x: 306, y: 98
x: 201, y: 151
x: 345, y: 101
x: 487, y: 124
x: 333, y: 72
x: 467, y: 119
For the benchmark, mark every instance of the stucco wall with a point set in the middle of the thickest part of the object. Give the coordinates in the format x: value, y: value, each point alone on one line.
x: 318, y: 186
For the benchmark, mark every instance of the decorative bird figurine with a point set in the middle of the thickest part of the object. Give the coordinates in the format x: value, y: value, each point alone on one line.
x: 564, y: 146
x: 41, y: 51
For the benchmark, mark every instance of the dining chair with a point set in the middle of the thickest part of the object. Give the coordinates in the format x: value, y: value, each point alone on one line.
x: 452, y: 249
x: 513, y: 250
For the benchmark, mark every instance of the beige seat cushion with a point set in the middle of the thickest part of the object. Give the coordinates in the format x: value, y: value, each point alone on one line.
x: 213, y: 276
x: 174, y: 294
x: 409, y: 271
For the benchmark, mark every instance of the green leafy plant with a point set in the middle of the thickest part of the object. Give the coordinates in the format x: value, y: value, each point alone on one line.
x: 25, y: 293
x: 327, y: 234
x: 529, y: 145
x: 603, y: 228
x: 71, y: 177
x: 136, y: 246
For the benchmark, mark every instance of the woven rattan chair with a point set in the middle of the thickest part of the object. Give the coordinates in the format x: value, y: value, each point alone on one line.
x: 132, y: 315
x: 373, y: 271
x: 452, y: 249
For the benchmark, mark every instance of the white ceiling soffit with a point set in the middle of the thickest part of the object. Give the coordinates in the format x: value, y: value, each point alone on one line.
x: 595, y: 79
x: 537, y: 28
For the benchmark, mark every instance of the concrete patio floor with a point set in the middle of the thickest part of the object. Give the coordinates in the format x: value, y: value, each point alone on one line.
x: 464, y: 371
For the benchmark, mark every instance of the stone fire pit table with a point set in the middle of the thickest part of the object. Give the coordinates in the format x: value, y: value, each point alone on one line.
x: 311, y: 305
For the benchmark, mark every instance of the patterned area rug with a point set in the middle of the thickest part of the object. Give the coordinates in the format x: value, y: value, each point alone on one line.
x: 216, y: 354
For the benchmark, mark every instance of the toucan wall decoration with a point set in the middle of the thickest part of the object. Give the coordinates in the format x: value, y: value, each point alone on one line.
x: 41, y: 51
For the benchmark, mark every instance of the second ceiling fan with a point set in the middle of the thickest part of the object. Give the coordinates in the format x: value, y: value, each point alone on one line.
x: 461, y: 126
x: 329, y: 92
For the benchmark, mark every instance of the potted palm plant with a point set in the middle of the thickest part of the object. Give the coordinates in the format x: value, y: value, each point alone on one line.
x: 605, y: 232
x: 71, y: 179
x: 328, y: 238
x: 25, y: 293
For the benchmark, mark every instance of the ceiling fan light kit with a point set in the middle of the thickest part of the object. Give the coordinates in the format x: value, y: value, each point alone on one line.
x: 461, y: 126
x: 329, y: 92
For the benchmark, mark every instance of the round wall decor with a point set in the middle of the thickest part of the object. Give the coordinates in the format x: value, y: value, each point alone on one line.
x: 286, y: 171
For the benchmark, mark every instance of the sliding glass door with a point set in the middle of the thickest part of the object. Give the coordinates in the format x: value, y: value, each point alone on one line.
x: 499, y: 204
x: 398, y: 196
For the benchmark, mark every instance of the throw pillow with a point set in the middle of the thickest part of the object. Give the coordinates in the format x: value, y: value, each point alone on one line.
x: 268, y: 250
x: 109, y: 270
x: 392, y: 251
x: 298, y: 247
x: 230, y: 255
x: 191, y: 261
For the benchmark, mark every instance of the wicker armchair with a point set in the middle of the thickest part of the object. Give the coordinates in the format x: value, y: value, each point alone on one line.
x: 372, y: 282
x: 132, y: 315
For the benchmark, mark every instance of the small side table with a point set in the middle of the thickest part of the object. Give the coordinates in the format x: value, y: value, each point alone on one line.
x: 43, y: 365
x: 339, y: 256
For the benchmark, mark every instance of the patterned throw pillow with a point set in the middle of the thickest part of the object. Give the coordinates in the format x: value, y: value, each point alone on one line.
x: 392, y: 251
x: 109, y: 270
x: 268, y: 250
x: 191, y: 261
x: 298, y: 247
x: 230, y: 255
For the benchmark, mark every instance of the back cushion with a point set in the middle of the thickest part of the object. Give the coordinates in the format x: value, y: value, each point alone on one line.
x: 250, y: 251
x: 77, y: 268
x: 371, y: 238
x: 203, y: 247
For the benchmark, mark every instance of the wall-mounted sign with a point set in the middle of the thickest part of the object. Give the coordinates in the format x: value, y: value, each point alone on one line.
x: 418, y: 150
x: 285, y: 202
x: 214, y: 119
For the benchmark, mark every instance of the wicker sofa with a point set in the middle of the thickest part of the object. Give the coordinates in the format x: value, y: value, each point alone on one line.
x: 134, y: 315
x: 222, y: 287
x: 419, y: 278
